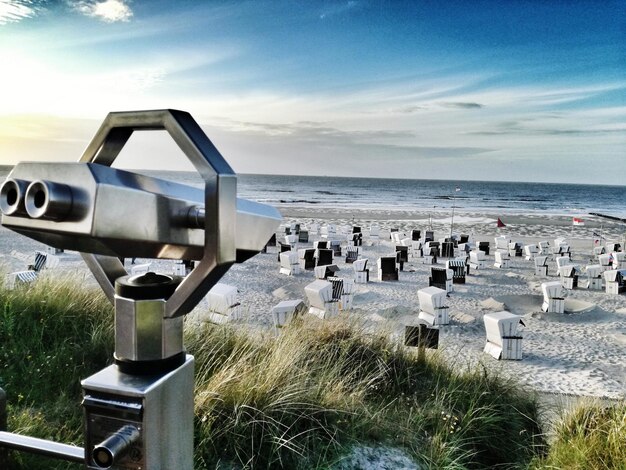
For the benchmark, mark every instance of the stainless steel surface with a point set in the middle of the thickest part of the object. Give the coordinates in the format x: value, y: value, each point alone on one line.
x: 142, y: 333
x: 34, y: 445
x: 160, y: 407
x: 110, y: 213
x: 106, y: 211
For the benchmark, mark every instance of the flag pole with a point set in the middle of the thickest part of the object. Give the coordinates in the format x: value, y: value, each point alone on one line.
x: 601, y: 232
x: 452, y: 218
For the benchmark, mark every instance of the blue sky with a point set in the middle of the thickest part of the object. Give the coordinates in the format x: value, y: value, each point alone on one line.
x: 501, y: 90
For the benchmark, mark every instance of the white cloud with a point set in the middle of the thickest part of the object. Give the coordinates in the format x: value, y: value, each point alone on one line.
x: 12, y: 11
x: 109, y: 11
x: 338, y: 9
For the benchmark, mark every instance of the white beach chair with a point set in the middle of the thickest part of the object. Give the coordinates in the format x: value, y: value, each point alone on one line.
x: 20, y: 279
x: 432, y: 306
x: 328, y: 231
x: 223, y: 306
x: 531, y: 251
x: 541, y: 265
x: 284, y: 312
x: 289, y: 263
x: 396, y: 237
x: 502, y: 243
x: 325, y: 270
x: 465, y: 248
x: 292, y: 240
x: 54, y: 251
x: 614, y: 281
x: 561, y: 262
x: 320, y: 296
x: 516, y: 249
x: 619, y: 259
x: 416, y: 249
x: 502, y: 259
x: 361, y: 273
x: 561, y: 247
x: 593, y: 274
x: 606, y: 261
x: 478, y: 260
x: 553, y: 297
x: 343, y: 291
x: 569, y: 276
x: 503, y: 339
x: 374, y: 232
x: 612, y: 246
x: 179, y: 268
x: 142, y: 268
x: 544, y: 248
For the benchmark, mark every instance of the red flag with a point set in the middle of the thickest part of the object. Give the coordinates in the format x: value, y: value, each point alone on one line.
x: 577, y: 221
x: 500, y: 223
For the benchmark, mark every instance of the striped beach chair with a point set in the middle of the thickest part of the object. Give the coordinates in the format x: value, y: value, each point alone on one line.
x: 458, y: 268
x: 20, y: 279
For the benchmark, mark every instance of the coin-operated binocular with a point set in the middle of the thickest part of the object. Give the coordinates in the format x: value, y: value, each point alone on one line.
x: 139, y: 411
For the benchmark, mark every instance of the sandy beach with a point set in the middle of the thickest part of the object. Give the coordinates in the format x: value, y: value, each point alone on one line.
x: 578, y: 353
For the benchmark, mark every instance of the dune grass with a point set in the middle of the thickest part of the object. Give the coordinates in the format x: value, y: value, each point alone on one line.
x: 51, y: 335
x: 321, y: 386
x: 590, y: 436
x: 298, y: 400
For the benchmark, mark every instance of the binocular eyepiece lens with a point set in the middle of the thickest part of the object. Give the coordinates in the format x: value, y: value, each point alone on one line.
x: 48, y: 200
x: 103, y: 457
x: 112, y: 449
x: 12, y: 197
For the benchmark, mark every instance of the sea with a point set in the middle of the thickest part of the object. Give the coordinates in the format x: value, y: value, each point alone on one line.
x: 318, y: 192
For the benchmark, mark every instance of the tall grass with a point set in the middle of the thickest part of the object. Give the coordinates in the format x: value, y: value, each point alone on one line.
x: 52, y: 334
x: 590, y: 436
x: 307, y: 395
x: 298, y: 400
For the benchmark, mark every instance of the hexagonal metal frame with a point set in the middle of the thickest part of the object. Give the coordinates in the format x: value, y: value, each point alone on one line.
x: 220, y: 194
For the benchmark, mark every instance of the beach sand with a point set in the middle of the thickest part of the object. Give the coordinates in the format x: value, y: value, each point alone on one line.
x: 580, y: 353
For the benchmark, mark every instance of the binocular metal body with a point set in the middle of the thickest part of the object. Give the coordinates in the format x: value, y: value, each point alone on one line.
x: 139, y: 411
x: 97, y: 209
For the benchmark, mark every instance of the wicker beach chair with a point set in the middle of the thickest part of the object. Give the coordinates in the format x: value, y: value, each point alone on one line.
x: 441, y: 278
x: 387, y: 268
x: 459, y: 269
